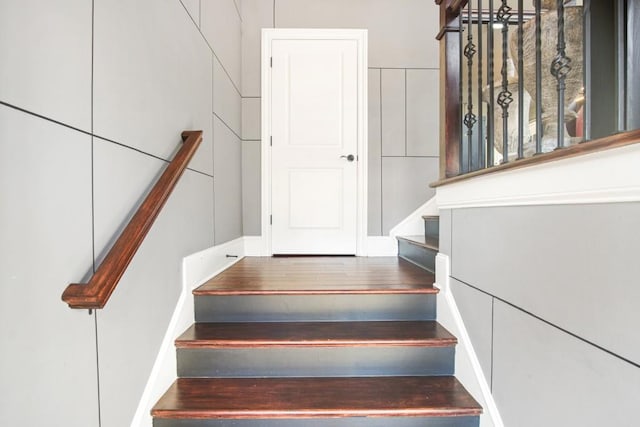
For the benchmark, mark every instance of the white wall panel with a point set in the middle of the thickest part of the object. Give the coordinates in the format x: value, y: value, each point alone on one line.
x: 394, y: 117
x: 582, y: 255
x: 476, y: 309
x: 423, y: 113
x: 256, y: 15
x: 221, y: 25
x: 45, y: 52
x: 251, y: 190
x: 405, y: 187
x: 545, y: 377
x: 151, y: 83
x: 401, y: 32
x: 227, y: 103
x: 193, y: 7
x: 48, y: 361
x: 444, y: 243
x: 227, y: 183
x: 374, y: 222
x: 251, y: 120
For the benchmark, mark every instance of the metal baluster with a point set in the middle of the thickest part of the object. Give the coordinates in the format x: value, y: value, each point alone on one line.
x: 481, y: 154
x: 560, y: 68
x: 505, y: 97
x: 539, y: 130
x: 490, y: 78
x: 520, y: 81
x: 470, y: 119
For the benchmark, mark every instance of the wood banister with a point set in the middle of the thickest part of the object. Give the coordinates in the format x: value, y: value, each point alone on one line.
x: 450, y: 72
x: 96, y: 292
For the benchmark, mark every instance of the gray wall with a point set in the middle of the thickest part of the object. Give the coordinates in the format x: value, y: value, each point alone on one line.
x: 549, y: 296
x: 403, y: 97
x: 93, y: 101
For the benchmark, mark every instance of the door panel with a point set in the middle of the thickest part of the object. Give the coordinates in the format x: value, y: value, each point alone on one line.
x: 314, y: 115
x: 322, y: 209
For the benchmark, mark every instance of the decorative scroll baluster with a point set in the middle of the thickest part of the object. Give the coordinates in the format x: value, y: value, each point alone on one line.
x: 521, y: 117
x: 490, y: 78
x: 481, y: 147
x: 470, y: 119
x: 538, y: 6
x: 560, y: 68
x: 505, y: 97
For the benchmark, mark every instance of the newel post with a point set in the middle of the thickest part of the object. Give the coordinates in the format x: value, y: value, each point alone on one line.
x: 450, y: 112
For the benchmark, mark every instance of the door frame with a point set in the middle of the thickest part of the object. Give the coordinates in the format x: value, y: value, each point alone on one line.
x: 360, y: 36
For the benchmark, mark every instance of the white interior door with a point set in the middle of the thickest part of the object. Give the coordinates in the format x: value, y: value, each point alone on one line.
x: 314, y: 153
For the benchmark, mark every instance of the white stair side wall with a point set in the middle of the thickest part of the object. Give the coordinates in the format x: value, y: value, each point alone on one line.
x: 413, y: 225
x: 468, y: 369
x: 196, y: 269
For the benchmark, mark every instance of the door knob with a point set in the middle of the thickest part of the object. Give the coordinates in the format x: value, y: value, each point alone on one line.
x: 349, y: 158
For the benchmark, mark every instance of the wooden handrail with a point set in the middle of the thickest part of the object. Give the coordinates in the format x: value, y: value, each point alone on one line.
x: 96, y: 292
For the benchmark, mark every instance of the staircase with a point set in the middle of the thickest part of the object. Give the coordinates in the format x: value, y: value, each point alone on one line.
x: 331, y: 342
x: 422, y: 250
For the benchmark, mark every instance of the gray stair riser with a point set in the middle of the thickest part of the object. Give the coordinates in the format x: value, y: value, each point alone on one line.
x: 326, y: 422
x: 316, y: 361
x: 424, y: 257
x: 299, y: 308
x: 432, y: 227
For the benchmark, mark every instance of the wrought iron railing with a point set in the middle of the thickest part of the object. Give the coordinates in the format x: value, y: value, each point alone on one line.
x: 524, y: 80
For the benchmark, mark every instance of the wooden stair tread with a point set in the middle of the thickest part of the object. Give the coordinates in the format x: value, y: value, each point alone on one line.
x: 325, y: 334
x: 258, y: 398
x: 320, y: 275
x: 425, y: 242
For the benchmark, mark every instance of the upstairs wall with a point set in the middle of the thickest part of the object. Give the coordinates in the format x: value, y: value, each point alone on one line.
x: 93, y: 98
x: 403, y: 97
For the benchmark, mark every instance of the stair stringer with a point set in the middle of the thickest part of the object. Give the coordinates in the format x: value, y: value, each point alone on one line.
x: 468, y: 369
x: 196, y: 269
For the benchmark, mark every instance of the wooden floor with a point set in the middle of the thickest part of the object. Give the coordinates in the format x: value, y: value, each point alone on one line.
x: 309, y: 275
x: 324, y: 334
x: 315, y: 397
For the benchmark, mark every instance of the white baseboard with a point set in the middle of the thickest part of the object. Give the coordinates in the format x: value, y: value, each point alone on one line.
x: 254, y: 246
x: 413, y: 225
x: 382, y: 246
x: 376, y: 246
x: 468, y: 369
x: 196, y: 269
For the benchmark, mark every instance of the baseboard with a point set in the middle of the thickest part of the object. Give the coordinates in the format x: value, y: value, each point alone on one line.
x: 254, y: 246
x: 382, y: 246
x: 376, y: 246
x: 196, y: 269
x: 468, y: 369
x: 413, y: 225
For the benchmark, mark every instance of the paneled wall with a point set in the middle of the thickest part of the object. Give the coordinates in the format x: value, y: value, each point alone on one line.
x: 93, y: 98
x: 403, y: 97
x: 549, y: 296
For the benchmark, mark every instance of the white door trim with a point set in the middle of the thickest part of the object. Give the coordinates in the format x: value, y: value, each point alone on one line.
x: 360, y: 36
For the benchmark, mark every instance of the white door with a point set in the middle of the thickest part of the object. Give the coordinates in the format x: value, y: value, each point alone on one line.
x: 314, y: 153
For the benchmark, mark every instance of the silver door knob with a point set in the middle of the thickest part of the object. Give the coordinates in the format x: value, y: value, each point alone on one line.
x: 349, y: 158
